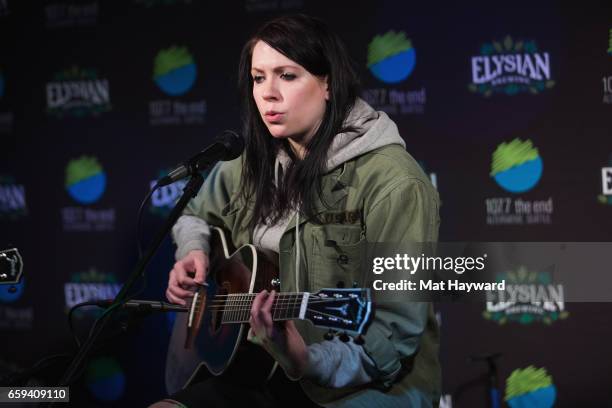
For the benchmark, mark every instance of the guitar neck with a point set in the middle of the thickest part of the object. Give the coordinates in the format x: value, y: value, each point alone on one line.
x: 236, y: 307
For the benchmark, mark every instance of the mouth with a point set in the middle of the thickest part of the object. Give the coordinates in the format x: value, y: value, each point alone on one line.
x: 273, y: 116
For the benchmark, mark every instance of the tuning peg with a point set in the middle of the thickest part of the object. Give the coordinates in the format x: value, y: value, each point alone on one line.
x: 344, y: 337
x: 359, y: 340
x: 355, y: 284
x: 329, y: 335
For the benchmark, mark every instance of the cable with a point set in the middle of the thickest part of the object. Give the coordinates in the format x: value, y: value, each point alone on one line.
x: 71, y: 326
x: 139, y: 219
x: 138, y: 236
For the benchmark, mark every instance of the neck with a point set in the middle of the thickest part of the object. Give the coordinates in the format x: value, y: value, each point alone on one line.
x: 298, y: 149
x: 237, y: 307
x: 298, y: 143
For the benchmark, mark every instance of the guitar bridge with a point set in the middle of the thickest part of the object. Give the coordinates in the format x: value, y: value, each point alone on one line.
x: 196, y: 312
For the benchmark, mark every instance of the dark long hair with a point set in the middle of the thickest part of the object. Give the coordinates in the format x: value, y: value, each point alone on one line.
x: 309, y: 42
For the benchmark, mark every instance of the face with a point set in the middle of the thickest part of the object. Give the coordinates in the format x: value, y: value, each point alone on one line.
x: 290, y: 100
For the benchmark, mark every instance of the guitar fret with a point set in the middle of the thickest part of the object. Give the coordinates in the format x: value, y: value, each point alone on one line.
x: 293, y: 307
x: 235, y: 303
x: 247, y: 308
x: 236, y: 307
x: 229, y: 308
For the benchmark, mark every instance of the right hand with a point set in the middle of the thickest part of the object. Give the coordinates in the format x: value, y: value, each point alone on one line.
x: 181, y: 285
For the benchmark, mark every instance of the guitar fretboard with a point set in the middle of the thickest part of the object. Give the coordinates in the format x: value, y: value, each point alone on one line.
x: 236, y: 308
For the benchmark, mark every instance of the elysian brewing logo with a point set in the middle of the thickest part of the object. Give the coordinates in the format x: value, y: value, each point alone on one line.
x: 517, y: 168
x: 530, y: 387
x: 14, y: 317
x: 433, y: 177
x: 105, y: 379
x: 78, y: 92
x: 528, y: 297
x: 71, y: 14
x: 89, y: 286
x: 392, y: 59
x: 12, y: 199
x: 175, y: 73
x: 510, y: 67
x: 164, y: 198
x: 85, y: 183
x: 606, y: 185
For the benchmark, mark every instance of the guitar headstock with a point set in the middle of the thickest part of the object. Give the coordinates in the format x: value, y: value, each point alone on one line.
x: 345, y: 310
x: 11, y: 266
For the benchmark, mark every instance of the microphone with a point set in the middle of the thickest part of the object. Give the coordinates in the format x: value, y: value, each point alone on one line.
x: 227, y: 146
x: 145, y: 305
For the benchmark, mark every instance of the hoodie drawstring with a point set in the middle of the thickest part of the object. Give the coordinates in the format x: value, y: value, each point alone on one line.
x: 297, y: 249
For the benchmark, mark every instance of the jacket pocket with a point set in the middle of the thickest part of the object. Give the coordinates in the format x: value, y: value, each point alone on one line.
x: 337, y: 256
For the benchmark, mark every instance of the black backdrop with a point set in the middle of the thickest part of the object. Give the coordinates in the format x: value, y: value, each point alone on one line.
x: 78, y: 247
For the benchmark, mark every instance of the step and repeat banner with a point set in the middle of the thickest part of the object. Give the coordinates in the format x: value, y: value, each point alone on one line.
x: 508, y: 110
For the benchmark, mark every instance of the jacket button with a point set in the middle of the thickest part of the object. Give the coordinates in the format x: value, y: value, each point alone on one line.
x: 343, y: 259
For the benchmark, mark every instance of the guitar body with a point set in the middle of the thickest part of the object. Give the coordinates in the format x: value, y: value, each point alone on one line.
x: 216, y: 345
x: 211, y: 338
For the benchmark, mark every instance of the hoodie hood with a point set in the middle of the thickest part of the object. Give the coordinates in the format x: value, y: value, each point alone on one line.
x: 371, y: 130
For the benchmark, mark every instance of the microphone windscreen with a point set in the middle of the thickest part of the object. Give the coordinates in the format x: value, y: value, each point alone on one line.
x: 233, y: 143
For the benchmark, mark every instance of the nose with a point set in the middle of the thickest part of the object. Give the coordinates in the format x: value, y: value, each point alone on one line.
x: 270, y: 90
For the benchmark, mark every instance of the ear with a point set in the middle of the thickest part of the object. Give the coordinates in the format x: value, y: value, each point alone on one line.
x: 326, y: 79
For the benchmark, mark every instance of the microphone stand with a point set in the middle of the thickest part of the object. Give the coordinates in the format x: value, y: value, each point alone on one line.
x: 190, y: 191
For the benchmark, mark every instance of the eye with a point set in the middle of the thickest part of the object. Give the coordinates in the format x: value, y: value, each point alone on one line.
x: 258, y: 79
x: 288, y: 76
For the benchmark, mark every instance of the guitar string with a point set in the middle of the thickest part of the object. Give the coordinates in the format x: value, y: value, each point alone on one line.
x: 216, y: 303
x: 248, y: 306
x: 218, y: 298
x: 242, y: 313
x: 279, y: 307
x: 283, y: 304
x: 280, y: 294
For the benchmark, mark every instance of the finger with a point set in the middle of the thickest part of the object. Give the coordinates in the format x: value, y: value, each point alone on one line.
x: 266, y: 312
x: 287, y: 326
x: 176, y: 289
x: 173, y: 299
x: 251, y: 336
x: 180, y: 293
x: 187, y: 284
x: 256, y: 311
x: 201, y: 266
x: 182, y: 276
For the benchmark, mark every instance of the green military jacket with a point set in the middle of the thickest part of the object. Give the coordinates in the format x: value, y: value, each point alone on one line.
x: 396, y: 203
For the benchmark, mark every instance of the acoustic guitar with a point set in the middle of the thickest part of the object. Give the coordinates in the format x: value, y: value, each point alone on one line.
x: 211, y: 338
